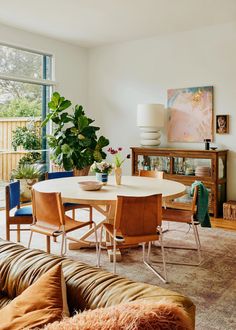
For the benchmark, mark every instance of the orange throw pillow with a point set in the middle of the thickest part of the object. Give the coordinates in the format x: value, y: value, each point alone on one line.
x: 41, y: 303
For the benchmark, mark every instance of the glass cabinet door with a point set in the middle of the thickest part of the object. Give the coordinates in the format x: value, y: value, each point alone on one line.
x: 153, y: 163
x: 192, y: 166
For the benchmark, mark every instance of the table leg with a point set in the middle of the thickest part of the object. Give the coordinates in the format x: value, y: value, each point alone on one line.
x: 109, y: 212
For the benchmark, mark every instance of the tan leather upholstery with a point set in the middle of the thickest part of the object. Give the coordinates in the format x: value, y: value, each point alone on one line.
x: 50, y: 219
x: 138, y: 221
x: 87, y: 287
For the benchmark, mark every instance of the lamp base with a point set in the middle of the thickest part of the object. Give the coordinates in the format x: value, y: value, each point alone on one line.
x: 150, y: 137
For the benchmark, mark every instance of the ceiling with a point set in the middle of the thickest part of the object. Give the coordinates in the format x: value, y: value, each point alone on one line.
x: 92, y: 23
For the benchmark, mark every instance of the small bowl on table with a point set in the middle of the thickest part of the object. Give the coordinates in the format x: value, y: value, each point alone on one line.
x: 90, y: 185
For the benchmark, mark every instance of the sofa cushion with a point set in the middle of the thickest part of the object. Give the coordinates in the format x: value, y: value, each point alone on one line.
x: 87, y: 287
x: 130, y: 316
x: 41, y: 303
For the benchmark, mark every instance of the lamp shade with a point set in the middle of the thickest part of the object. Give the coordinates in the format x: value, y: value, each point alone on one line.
x: 150, y: 115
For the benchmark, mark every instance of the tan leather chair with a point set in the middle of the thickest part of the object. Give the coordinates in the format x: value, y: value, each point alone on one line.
x: 49, y: 218
x: 188, y: 216
x: 152, y: 174
x: 137, y: 220
x: 69, y: 206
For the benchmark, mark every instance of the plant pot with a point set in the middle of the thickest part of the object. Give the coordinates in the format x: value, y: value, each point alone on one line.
x: 118, y: 174
x: 82, y: 172
x: 25, y: 189
x: 102, y: 177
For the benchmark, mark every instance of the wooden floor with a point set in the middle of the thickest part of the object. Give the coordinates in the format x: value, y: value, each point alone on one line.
x: 221, y: 223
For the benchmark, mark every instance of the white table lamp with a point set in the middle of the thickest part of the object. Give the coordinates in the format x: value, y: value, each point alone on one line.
x: 150, y: 118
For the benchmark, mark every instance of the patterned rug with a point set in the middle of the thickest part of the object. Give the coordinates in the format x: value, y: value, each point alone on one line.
x: 211, y: 286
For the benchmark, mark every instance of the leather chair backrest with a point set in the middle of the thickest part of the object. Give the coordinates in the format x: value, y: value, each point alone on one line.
x: 138, y: 216
x: 152, y: 174
x: 48, y: 210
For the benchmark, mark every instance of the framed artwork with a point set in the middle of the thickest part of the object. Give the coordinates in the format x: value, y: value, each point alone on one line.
x: 190, y: 114
x: 222, y: 124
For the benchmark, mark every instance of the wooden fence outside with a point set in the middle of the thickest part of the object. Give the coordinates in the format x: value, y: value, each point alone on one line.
x: 8, y: 157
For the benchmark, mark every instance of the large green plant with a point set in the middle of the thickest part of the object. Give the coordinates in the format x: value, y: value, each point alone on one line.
x: 74, y: 142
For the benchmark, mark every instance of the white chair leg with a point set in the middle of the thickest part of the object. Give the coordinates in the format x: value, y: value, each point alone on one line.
x: 100, y: 247
x: 149, y: 250
x: 163, y: 254
x: 114, y: 253
x: 96, y: 240
x: 65, y: 243
x: 143, y: 246
x: 196, y: 236
x: 62, y: 243
x: 30, y: 239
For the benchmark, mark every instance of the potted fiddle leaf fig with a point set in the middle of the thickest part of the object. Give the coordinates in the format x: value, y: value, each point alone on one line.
x: 74, y: 143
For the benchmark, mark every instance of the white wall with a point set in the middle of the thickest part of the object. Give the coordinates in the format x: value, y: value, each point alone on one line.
x: 123, y: 75
x: 70, y: 61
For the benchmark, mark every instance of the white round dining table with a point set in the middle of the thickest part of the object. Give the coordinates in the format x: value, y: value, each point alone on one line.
x: 104, y: 200
x: 131, y: 186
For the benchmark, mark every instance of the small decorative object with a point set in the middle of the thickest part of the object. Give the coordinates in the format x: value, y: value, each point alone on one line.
x: 207, y: 144
x: 102, y: 170
x: 150, y: 118
x: 222, y: 124
x: 118, y: 162
x: 90, y: 185
x: 203, y: 171
x: 229, y: 210
x: 190, y: 114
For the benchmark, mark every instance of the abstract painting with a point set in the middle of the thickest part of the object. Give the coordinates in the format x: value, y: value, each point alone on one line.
x: 190, y: 114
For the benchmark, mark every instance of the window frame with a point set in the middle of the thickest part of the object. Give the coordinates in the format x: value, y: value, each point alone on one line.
x: 44, y: 83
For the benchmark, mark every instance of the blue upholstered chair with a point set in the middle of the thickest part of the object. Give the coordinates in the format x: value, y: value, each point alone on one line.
x: 69, y: 206
x: 20, y: 216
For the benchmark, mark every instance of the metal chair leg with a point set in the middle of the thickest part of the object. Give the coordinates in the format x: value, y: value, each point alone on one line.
x: 96, y: 239
x: 30, y: 239
x: 100, y: 247
x: 114, y: 252
x: 148, y: 264
x: 62, y: 243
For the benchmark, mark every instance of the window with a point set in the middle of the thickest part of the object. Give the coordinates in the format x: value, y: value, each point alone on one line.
x: 25, y: 81
x: 25, y: 88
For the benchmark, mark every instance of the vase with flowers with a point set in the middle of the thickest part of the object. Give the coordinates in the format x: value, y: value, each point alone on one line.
x: 118, y: 161
x: 102, y: 171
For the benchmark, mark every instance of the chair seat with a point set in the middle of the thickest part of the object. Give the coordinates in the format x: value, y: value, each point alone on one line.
x: 70, y: 224
x: 128, y: 240
x: 24, y: 211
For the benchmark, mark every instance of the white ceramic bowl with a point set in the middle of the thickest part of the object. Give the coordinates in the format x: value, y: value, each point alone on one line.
x: 90, y: 185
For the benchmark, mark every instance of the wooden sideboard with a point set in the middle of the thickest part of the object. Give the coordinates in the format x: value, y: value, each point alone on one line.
x: 186, y: 166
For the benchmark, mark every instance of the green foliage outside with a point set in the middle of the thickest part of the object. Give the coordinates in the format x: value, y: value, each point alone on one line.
x: 27, y: 138
x: 74, y: 143
x: 21, y: 108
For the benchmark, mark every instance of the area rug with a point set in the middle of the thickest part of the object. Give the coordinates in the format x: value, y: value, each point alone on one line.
x: 211, y: 286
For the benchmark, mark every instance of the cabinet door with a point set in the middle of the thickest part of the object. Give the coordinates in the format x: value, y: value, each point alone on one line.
x: 198, y: 167
x: 160, y: 163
